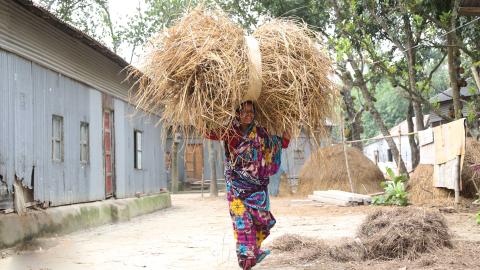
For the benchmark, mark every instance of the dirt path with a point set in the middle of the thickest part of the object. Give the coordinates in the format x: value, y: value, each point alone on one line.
x: 196, y: 234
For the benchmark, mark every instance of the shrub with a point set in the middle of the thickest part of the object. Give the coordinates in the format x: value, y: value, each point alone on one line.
x: 395, y: 191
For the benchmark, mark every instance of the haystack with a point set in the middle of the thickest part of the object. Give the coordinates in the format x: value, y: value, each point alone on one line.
x: 202, y: 68
x: 403, y: 233
x: 422, y: 191
x: 326, y: 169
x: 471, y: 178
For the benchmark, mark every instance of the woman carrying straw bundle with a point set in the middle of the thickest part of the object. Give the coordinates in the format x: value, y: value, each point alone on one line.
x: 252, y: 155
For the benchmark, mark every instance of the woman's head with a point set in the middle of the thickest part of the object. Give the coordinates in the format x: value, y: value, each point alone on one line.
x: 246, y: 113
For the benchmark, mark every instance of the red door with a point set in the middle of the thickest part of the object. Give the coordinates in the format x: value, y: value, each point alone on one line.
x: 108, y: 151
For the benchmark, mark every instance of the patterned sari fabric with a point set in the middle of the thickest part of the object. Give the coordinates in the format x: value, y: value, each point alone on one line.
x: 250, y: 160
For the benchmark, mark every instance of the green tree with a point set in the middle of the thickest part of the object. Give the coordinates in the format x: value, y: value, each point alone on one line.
x: 90, y: 16
x: 338, y: 22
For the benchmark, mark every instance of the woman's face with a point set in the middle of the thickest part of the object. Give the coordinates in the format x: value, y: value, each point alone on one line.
x: 246, y: 114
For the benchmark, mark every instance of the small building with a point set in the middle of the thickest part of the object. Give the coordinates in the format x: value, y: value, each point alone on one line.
x: 379, y: 152
x: 193, y: 161
x: 67, y: 131
x: 445, y: 101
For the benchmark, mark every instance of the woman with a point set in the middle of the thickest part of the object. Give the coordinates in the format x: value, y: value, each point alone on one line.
x: 251, y: 156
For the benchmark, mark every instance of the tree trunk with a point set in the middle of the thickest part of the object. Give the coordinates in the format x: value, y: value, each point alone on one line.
x: 174, y: 174
x: 354, y: 122
x: 411, y: 138
x: 452, y: 66
x: 212, y: 158
x: 411, y: 57
x: 452, y: 72
x: 378, y: 118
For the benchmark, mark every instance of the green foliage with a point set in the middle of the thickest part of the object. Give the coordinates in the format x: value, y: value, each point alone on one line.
x: 478, y: 218
x: 471, y: 112
x: 395, y: 191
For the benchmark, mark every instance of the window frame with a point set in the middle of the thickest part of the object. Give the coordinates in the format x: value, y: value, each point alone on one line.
x: 58, y: 139
x: 138, y: 149
x: 85, y: 142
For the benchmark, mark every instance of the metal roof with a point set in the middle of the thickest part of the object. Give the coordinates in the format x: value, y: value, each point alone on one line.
x: 71, y: 31
x: 447, y: 95
x: 469, y: 7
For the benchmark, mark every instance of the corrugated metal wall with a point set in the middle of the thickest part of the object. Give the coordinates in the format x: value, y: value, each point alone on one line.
x: 292, y: 162
x: 25, y: 34
x: 29, y: 97
x: 152, y: 177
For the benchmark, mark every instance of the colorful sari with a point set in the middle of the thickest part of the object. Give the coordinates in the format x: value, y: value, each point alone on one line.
x: 250, y: 160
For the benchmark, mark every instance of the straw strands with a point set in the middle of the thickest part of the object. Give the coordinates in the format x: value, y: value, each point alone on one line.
x: 296, y: 90
x: 197, y: 75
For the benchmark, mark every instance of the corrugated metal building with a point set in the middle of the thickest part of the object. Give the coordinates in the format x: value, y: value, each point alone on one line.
x: 378, y: 151
x: 445, y: 101
x: 66, y: 128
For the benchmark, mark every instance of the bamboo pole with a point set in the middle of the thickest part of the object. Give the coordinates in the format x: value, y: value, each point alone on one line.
x: 346, y: 157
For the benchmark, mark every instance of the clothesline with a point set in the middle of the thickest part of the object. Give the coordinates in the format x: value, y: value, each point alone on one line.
x: 383, y: 137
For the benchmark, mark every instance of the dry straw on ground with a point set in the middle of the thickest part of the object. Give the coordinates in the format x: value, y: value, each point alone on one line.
x: 326, y: 169
x: 386, y: 234
x: 303, y: 249
x: 403, y: 233
x: 197, y: 75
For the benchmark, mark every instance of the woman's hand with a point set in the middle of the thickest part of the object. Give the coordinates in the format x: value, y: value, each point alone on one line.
x: 286, y: 135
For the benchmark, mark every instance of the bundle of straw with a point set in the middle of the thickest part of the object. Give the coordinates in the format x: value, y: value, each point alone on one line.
x: 198, y: 75
x: 296, y: 90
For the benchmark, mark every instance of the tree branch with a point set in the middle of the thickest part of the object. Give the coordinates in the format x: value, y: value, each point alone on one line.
x: 429, y: 79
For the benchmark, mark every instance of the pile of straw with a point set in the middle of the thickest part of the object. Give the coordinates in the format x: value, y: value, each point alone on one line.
x: 470, y: 177
x: 403, y: 233
x: 422, y: 191
x: 304, y: 249
x: 197, y: 75
x: 398, y: 233
x: 326, y: 169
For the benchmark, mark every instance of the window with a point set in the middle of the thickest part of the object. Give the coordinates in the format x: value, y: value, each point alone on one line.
x: 57, y: 138
x: 389, y: 155
x: 84, y: 143
x: 137, y: 145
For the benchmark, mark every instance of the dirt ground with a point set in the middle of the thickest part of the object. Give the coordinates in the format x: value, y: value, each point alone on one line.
x: 336, y: 225
x: 196, y: 234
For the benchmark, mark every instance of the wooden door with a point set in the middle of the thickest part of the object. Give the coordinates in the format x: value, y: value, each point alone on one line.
x: 194, y: 162
x: 108, y: 153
